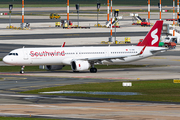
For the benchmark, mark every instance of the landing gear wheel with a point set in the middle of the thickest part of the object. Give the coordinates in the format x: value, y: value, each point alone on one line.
x: 22, y: 71
x: 93, y: 70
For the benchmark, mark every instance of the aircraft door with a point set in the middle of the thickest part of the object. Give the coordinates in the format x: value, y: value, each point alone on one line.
x: 25, y: 54
x: 106, y: 52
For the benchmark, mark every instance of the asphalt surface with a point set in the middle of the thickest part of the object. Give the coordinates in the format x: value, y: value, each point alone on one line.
x: 12, y: 83
x: 45, y: 20
x: 71, y: 35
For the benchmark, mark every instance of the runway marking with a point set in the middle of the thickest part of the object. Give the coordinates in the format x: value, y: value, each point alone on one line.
x: 13, y: 78
x: 25, y: 88
x: 68, y: 107
x: 157, y: 58
x: 22, y: 89
x: 176, y: 60
x: 6, y: 36
x: 96, y: 77
x: 3, y: 73
x: 58, y: 84
x: 11, y: 95
x: 92, y: 82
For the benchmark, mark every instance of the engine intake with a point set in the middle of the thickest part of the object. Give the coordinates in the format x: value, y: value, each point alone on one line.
x: 80, y: 65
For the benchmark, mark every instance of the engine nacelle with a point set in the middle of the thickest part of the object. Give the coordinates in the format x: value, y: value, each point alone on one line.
x: 80, y: 65
x: 51, y: 67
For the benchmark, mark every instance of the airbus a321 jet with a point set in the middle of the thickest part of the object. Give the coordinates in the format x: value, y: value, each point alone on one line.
x: 83, y: 58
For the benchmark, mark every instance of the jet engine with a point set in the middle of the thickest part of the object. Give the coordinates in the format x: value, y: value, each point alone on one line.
x: 80, y: 65
x: 51, y: 67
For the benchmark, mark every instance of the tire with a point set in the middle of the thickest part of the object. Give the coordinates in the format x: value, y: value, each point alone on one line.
x: 21, y: 72
x: 93, y: 70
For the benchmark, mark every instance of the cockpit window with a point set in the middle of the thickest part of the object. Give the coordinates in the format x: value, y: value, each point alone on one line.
x: 15, y: 54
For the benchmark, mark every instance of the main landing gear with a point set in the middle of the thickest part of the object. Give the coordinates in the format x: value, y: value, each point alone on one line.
x: 22, y: 70
x: 93, y: 69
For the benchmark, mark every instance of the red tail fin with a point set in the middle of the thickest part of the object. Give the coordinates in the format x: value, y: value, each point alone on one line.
x: 153, y: 36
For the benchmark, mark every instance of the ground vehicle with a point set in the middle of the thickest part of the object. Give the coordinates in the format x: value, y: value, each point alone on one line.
x: 57, y: 24
x: 137, y: 20
x: 116, y: 25
x: 175, y: 39
x: 54, y: 15
x: 171, y: 41
x: 64, y: 23
x: 170, y: 45
x: 145, y: 22
x: 127, y: 40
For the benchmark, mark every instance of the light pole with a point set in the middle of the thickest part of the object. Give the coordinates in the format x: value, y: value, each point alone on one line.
x: 116, y: 15
x: 107, y: 10
x: 174, y: 17
x: 77, y: 8
x: 10, y: 8
x: 111, y: 38
x: 178, y: 11
x: 159, y: 5
x: 68, y: 13
x: 149, y: 11
x: 98, y: 7
x: 22, y: 25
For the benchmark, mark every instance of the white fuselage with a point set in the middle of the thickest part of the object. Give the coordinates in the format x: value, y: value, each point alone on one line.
x: 65, y: 55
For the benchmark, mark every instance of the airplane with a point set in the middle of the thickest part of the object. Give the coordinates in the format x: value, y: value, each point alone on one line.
x: 82, y: 58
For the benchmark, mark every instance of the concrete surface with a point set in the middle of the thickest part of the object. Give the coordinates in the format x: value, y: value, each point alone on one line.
x: 100, y: 111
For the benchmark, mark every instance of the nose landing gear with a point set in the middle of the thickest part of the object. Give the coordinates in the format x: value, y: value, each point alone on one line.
x: 22, y: 70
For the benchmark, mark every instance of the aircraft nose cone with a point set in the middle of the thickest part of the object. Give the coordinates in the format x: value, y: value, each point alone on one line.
x: 6, y: 60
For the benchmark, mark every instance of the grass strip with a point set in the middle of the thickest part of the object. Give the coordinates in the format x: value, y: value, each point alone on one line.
x: 18, y: 68
x: 158, y: 90
x: 36, y: 68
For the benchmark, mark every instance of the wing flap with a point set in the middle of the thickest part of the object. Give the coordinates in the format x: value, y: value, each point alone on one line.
x: 99, y: 59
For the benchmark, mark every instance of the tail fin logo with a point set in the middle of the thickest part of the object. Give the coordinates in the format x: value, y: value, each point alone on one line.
x: 153, y: 35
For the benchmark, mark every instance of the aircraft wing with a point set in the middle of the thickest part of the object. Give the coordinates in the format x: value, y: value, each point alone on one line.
x: 99, y: 59
x: 109, y: 59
